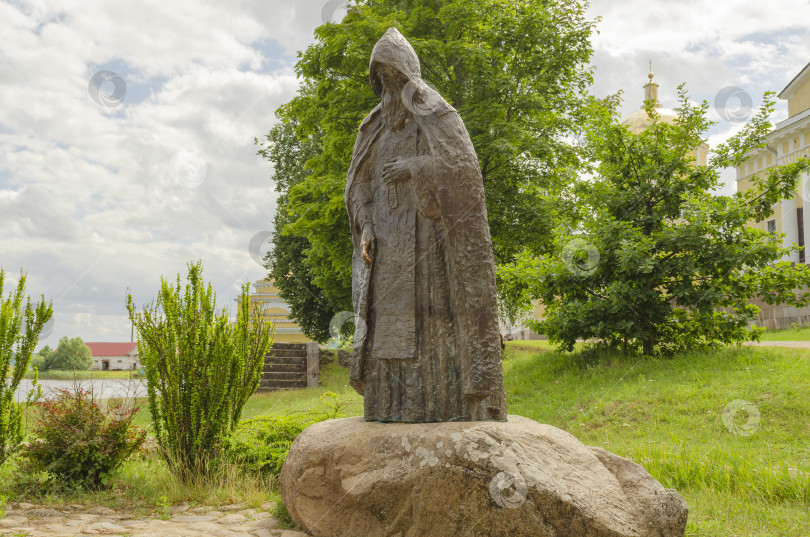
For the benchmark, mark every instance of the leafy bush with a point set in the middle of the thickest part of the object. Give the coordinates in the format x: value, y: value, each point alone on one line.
x: 20, y: 326
x: 262, y: 443
x: 77, y: 443
x: 200, y: 368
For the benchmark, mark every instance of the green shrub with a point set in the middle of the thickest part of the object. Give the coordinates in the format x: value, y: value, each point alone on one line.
x: 200, y: 369
x: 20, y: 326
x: 76, y: 443
x: 262, y: 443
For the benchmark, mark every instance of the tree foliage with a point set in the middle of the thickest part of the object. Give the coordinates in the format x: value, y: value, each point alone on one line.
x: 200, y: 368
x: 70, y: 355
x: 20, y: 326
x: 661, y: 262
x: 515, y: 71
x: 287, y: 259
x: 38, y: 359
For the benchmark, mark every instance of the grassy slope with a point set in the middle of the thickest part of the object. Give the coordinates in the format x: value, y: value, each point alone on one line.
x: 667, y: 415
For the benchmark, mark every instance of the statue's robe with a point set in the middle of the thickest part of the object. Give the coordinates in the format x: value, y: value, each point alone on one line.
x: 427, y: 343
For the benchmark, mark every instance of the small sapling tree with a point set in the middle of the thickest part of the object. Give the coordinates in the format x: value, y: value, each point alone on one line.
x: 200, y: 368
x: 20, y: 326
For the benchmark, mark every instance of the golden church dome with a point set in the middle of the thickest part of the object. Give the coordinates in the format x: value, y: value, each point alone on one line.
x: 639, y: 121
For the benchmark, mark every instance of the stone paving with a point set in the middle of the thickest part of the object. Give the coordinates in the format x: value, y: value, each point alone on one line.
x: 28, y: 520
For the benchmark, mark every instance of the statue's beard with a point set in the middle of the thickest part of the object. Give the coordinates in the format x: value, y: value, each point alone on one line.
x: 394, y: 112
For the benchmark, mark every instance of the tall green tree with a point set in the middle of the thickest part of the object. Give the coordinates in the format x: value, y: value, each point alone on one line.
x: 286, y: 260
x: 660, y: 261
x: 70, y: 354
x: 516, y: 72
x: 20, y: 326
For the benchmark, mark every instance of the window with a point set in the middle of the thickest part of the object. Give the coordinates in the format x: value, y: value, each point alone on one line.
x: 772, y: 227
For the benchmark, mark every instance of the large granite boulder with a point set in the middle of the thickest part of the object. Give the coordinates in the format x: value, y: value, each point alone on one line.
x: 351, y: 478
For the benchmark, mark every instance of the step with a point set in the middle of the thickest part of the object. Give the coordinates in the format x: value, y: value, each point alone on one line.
x: 286, y: 352
x: 267, y: 389
x: 285, y: 360
x: 290, y: 346
x: 283, y: 384
x: 285, y: 368
x: 284, y: 375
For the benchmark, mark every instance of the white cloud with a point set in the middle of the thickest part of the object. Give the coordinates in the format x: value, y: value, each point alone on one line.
x: 88, y: 205
x: 88, y: 202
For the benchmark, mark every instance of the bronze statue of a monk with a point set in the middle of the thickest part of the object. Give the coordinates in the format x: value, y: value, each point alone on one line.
x: 427, y: 343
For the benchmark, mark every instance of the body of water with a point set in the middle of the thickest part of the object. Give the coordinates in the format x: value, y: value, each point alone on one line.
x: 102, y: 388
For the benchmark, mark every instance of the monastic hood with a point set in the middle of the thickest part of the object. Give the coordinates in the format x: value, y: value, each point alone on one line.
x: 393, y: 50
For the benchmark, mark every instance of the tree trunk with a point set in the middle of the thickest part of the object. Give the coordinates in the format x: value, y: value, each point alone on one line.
x: 648, y: 345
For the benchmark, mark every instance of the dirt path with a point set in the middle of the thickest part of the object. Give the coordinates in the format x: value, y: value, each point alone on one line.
x: 788, y: 344
x: 79, y: 521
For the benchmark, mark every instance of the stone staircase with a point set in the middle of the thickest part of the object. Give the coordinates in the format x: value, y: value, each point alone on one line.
x: 289, y: 366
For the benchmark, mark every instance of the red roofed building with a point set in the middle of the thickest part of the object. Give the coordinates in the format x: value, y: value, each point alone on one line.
x: 114, y: 356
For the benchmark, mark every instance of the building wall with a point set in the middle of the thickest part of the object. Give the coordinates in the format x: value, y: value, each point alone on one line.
x: 266, y: 296
x: 800, y: 100
x: 789, y: 141
x: 117, y: 363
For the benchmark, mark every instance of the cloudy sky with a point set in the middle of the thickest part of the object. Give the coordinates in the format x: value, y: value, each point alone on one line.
x: 126, y: 131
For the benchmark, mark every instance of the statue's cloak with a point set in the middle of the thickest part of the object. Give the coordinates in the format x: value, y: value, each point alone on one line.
x: 449, y: 186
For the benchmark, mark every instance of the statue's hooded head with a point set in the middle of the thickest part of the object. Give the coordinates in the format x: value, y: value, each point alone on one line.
x: 394, y: 51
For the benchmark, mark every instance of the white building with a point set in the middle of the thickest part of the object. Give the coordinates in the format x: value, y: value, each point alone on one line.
x: 789, y: 141
x: 114, y: 356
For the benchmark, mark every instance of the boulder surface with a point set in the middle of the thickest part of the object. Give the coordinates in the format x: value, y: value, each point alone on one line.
x: 352, y: 478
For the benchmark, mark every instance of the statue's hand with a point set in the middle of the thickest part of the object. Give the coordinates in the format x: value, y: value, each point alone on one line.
x: 396, y: 171
x: 368, y: 244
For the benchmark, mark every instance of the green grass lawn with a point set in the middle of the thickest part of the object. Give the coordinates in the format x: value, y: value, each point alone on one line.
x: 81, y: 375
x: 789, y: 334
x: 665, y: 413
